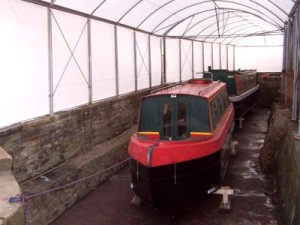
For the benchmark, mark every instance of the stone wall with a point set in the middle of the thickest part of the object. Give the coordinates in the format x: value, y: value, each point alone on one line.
x: 288, y: 175
x: 57, y: 150
x: 269, y: 90
x: 10, y: 213
x: 281, y: 156
x: 39, y: 145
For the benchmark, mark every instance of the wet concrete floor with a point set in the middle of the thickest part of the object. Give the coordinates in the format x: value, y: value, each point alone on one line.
x: 250, y: 204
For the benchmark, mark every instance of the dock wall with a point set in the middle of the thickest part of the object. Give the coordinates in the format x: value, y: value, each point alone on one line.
x: 281, y: 156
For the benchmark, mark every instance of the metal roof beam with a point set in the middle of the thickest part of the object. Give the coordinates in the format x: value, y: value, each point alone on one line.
x: 229, y: 9
x: 196, y: 4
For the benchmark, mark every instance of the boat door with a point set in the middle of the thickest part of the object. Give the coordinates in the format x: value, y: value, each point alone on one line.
x: 176, y: 119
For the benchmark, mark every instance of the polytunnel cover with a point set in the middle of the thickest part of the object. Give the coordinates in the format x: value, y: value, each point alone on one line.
x: 218, y: 21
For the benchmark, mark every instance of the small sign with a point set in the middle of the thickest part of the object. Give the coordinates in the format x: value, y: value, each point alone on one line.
x: 230, y: 76
x: 173, y: 96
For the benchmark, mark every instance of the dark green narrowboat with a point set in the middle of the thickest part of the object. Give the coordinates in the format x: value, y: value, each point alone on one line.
x: 242, y: 88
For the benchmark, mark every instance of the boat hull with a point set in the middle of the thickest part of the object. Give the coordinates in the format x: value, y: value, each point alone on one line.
x: 180, y: 181
x: 245, y: 102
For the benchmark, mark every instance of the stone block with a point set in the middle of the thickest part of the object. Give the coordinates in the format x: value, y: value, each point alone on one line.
x: 5, y: 160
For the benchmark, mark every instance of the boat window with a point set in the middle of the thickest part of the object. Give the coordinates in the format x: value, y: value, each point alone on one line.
x: 199, y: 115
x: 167, y: 116
x: 181, y: 120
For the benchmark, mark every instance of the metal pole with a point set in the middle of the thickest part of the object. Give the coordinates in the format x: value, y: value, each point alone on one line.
x: 203, y: 66
x: 150, y: 61
x: 220, y: 56
x: 135, y: 62
x: 296, y: 62
x: 164, y: 61
x: 193, y: 63
x: 116, y: 59
x: 227, y: 65
x: 212, y: 55
x: 289, y: 51
x: 90, y: 62
x: 284, y: 48
x: 50, y: 60
x: 180, y: 67
x: 233, y: 55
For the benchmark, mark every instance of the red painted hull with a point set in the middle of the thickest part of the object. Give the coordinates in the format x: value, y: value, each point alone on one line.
x: 171, y: 152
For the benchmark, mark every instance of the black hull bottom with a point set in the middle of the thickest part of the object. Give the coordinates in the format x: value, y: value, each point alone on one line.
x: 177, y: 182
x: 243, y: 106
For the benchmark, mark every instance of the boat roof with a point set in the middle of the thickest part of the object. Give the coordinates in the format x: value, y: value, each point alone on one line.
x: 195, y: 87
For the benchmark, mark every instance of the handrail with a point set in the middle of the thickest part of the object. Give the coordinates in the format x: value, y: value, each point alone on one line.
x: 166, y: 87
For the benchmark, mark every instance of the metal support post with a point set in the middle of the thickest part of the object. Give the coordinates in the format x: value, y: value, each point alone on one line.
x: 50, y: 65
x: 90, y: 82
x: 296, y: 65
x: 193, y: 63
x: 203, y: 66
x: 180, y: 67
x: 212, y: 55
x: 227, y: 61
x: 116, y: 59
x: 220, y: 56
x: 233, y: 55
x: 164, y: 60
x: 135, y: 62
x: 150, y: 61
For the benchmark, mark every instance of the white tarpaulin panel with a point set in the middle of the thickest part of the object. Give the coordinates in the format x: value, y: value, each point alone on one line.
x: 103, y: 60
x: 230, y: 58
x: 172, y: 58
x: 82, y: 60
x: 24, y: 62
x: 216, y: 56
x: 186, y: 60
x: 70, y: 65
x: 142, y: 58
x: 198, y: 59
x: 207, y: 55
x: 126, y: 60
x: 156, y: 63
x: 224, y: 57
x: 260, y: 58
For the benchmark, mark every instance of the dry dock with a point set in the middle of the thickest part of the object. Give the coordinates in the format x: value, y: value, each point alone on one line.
x: 250, y: 205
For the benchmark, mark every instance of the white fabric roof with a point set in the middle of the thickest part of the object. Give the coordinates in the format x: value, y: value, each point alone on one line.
x: 218, y: 21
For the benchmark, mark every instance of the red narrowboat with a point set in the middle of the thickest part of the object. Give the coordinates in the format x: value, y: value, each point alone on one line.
x: 182, y: 145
